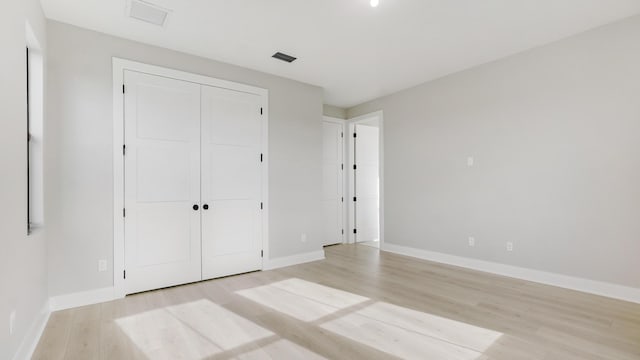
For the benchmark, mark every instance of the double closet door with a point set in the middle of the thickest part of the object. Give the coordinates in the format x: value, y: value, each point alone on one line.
x: 193, y: 182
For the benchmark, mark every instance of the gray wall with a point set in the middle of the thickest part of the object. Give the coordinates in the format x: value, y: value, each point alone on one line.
x: 79, y: 210
x: 22, y: 258
x: 555, y: 133
x: 334, y: 111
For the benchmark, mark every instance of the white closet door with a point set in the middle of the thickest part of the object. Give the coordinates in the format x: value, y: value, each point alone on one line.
x: 231, y: 182
x: 332, y: 182
x: 367, y: 183
x: 162, y: 182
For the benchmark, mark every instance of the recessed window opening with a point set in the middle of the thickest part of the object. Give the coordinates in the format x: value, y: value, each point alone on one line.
x: 34, y: 78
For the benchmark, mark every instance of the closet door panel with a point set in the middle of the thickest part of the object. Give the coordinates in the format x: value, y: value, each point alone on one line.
x: 162, y: 182
x: 234, y: 174
x: 332, y: 182
x: 232, y: 117
x: 367, y: 184
x: 232, y: 182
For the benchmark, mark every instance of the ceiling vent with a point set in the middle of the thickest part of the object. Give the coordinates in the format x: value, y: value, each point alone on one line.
x: 147, y: 12
x: 284, y: 57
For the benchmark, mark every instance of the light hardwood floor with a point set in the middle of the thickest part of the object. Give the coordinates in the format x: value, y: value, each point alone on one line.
x: 356, y: 304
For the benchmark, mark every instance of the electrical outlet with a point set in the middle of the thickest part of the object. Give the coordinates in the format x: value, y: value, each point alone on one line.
x: 472, y: 241
x: 102, y: 265
x: 470, y: 161
x: 12, y: 322
x: 509, y: 246
x: 303, y: 237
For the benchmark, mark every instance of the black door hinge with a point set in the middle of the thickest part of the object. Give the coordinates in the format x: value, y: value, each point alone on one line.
x: 342, y: 199
x: 261, y: 206
x: 124, y: 150
x: 260, y: 111
x: 354, y: 198
x: 342, y: 134
x: 124, y: 212
x: 354, y: 135
x: 261, y: 157
x: 355, y: 231
x: 124, y: 274
x: 123, y: 88
x: 341, y: 166
x: 342, y: 231
x: 354, y: 166
x: 261, y: 253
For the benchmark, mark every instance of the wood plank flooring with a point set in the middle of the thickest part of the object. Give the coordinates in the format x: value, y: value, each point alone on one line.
x: 357, y: 304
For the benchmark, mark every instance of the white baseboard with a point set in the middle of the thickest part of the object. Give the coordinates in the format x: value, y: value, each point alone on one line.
x: 293, y: 260
x: 32, y: 337
x: 83, y: 298
x: 96, y: 296
x: 569, y: 282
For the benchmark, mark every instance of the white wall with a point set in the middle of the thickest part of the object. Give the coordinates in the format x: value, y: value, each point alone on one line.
x: 555, y: 133
x: 334, y: 111
x: 22, y: 258
x: 79, y: 208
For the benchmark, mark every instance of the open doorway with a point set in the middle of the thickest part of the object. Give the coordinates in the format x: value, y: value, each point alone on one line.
x: 365, y: 179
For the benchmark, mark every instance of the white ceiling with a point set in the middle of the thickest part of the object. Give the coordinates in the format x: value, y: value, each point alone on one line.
x: 355, y: 52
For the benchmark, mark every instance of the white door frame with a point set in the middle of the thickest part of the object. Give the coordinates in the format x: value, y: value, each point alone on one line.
x: 345, y: 220
x: 119, y: 66
x: 351, y: 184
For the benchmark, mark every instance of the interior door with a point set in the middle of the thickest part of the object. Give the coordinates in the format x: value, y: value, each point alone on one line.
x: 162, y: 182
x: 232, y: 182
x: 367, y: 183
x: 332, y: 170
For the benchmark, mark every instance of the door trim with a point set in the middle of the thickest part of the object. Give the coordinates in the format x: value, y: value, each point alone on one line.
x: 350, y: 179
x: 343, y: 124
x: 119, y: 66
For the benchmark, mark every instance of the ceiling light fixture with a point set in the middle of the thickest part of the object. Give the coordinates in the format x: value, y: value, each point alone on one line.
x: 375, y: 3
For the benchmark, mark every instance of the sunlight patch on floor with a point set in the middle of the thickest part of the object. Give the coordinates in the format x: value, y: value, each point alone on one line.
x: 393, y: 329
x: 276, y: 350
x: 395, y: 340
x: 201, y: 328
x: 301, y: 299
x: 324, y: 294
x: 473, y: 337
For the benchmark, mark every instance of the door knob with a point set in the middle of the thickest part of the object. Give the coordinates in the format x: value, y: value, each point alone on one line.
x: 205, y: 206
x: 196, y: 207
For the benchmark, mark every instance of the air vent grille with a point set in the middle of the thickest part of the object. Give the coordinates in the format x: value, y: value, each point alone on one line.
x: 284, y: 57
x: 147, y: 12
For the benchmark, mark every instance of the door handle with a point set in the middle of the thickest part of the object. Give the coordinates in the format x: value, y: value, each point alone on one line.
x: 205, y: 206
x: 196, y: 207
